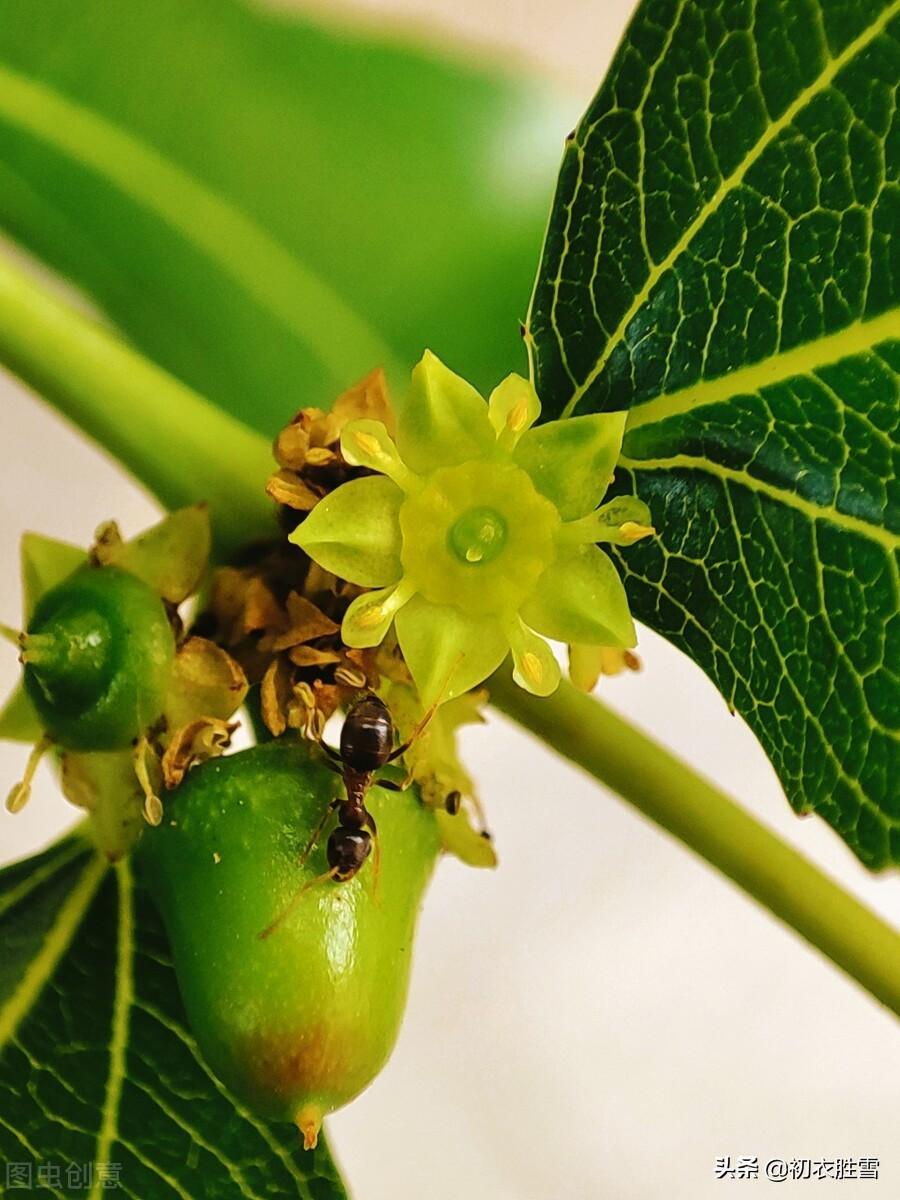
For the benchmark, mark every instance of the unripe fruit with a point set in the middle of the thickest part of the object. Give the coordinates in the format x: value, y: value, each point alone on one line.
x: 98, y: 655
x: 296, y: 1023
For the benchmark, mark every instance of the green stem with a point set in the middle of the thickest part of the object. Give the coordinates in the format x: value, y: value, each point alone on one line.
x: 178, y: 444
x: 713, y: 826
x: 185, y: 450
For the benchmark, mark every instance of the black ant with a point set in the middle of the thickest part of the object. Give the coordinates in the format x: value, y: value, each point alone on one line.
x: 367, y: 745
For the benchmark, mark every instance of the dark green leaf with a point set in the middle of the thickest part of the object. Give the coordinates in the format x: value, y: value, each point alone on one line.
x: 266, y: 209
x: 99, y: 1076
x: 722, y: 260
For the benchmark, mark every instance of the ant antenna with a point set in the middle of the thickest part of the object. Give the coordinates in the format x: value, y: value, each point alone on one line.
x: 293, y: 902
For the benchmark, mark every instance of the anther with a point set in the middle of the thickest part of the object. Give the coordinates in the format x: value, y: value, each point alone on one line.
x: 531, y: 667
x: 368, y: 444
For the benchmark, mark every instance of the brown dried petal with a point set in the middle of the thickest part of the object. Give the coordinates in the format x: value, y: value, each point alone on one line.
x: 275, y: 695
x: 291, y: 446
x: 309, y: 656
x: 286, y: 488
x: 366, y: 399
x: 324, y: 427
x: 107, y: 540
x: 261, y: 609
x: 320, y: 581
x: 328, y: 696
x: 229, y: 595
x: 206, y: 681
x: 305, y: 622
x: 196, y: 742
x: 320, y: 456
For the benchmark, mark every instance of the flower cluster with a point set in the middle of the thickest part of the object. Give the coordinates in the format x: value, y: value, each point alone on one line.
x: 478, y: 533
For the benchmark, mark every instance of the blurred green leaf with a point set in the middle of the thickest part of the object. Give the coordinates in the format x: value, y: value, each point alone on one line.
x: 100, y: 1078
x: 265, y: 208
x: 722, y: 261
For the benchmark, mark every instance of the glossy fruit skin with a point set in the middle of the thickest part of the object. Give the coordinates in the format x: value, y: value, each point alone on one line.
x: 112, y: 656
x: 302, y: 1020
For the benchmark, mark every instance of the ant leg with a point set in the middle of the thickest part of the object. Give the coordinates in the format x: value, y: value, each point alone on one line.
x: 391, y: 785
x: 427, y: 715
x: 419, y: 729
x: 333, y: 754
x: 371, y: 827
x: 293, y: 902
x: 317, y: 832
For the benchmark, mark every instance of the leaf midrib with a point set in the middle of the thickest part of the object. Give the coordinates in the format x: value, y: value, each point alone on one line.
x: 782, y: 495
x: 772, y: 131
x: 778, y: 368
x: 122, y: 1002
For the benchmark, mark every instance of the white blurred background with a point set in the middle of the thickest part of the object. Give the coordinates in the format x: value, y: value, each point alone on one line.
x: 604, y: 1016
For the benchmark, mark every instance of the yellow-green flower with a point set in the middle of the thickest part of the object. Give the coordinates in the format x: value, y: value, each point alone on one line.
x: 479, y: 533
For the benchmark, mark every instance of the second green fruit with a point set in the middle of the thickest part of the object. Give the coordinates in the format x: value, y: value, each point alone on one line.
x: 299, y: 1022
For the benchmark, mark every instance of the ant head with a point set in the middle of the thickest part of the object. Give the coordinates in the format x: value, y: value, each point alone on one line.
x: 348, y: 849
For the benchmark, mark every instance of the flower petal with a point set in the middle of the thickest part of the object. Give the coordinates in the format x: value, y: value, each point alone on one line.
x: 19, y: 721
x: 534, y: 667
x: 354, y: 532
x: 581, y: 599
x: 45, y: 563
x: 623, y: 521
x: 368, y: 444
x: 571, y: 462
x: 447, y: 651
x: 171, y: 557
x: 206, y: 682
x: 588, y: 663
x: 369, y: 617
x: 444, y: 420
x: 513, y: 408
x: 460, y: 838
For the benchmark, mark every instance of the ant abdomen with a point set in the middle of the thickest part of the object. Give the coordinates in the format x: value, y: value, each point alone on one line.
x: 367, y: 736
x: 348, y: 849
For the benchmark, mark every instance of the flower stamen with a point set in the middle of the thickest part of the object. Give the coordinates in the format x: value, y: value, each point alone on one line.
x: 532, y: 669
x: 367, y: 619
x: 518, y: 416
x: 622, y: 522
x: 368, y: 444
x: 632, y: 532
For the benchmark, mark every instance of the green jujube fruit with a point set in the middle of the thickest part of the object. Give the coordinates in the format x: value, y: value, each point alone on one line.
x: 297, y: 1023
x: 98, y: 655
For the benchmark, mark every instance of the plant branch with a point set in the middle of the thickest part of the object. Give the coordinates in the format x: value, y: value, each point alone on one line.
x: 714, y: 827
x: 185, y: 449
x: 178, y: 444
